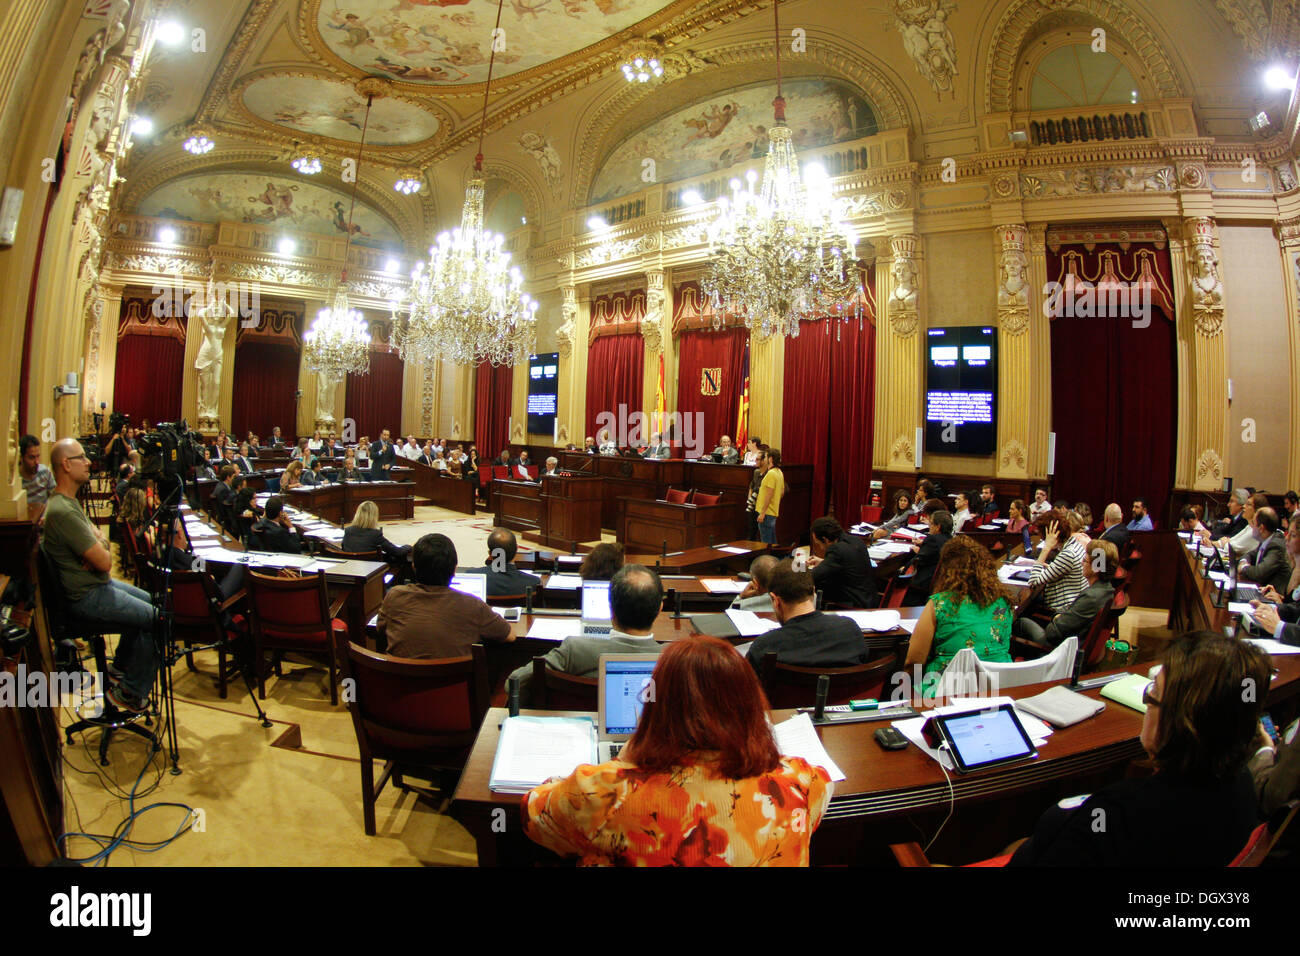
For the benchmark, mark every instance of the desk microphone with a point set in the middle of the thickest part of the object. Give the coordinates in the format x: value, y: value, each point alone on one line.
x: 710, y: 541
x: 663, y: 552
x: 677, y: 603
x: 528, y: 599
x: 1217, y: 600
x: 512, y: 686
x: 823, y: 691
x: 821, y: 598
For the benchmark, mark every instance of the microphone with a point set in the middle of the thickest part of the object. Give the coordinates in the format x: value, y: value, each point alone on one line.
x: 677, y: 603
x: 823, y: 691
x: 513, y: 700
x: 821, y: 598
x: 664, y: 550
x: 528, y: 599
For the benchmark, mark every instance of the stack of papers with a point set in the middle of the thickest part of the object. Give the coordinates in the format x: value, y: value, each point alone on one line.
x: 877, y: 621
x: 564, y: 582
x: 1272, y: 646
x: 749, y: 624
x: 1010, y: 574
x: 555, y: 628
x: 730, y: 549
x: 532, y: 750
x: 797, y: 737
x: 722, y: 585
x: 907, y: 534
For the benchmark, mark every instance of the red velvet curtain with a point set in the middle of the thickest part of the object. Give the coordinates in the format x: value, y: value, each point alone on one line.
x: 1114, y: 405
x: 723, y: 351
x: 615, y: 376
x: 265, y: 383
x: 828, y: 412
x: 147, y: 377
x: 374, y: 401
x: 493, y: 391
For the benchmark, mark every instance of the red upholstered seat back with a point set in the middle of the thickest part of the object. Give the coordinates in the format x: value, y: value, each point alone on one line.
x: 500, y: 471
x: 290, y: 610
x: 700, y: 498
x: 676, y: 496
x: 484, y: 474
x: 190, y: 604
x: 412, y: 703
x: 870, y: 513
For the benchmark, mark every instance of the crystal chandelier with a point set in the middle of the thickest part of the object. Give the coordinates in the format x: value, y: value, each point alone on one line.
x: 308, y: 164
x: 467, y: 303
x: 198, y: 142
x: 642, y: 63
x: 408, y: 182
x: 780, y: 256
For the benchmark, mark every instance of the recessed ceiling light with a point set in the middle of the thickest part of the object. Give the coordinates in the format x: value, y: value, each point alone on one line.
x: 286, y: 246
x: 170, y: 33
x: 1279, y: 78
x: 167, y: 234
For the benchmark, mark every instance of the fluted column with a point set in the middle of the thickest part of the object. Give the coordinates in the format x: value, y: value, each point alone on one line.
x: 1288, y: 232
x: 1040, y: 356
x: 101, y: 351
x: 1203, y: 456
x: 1015, y: 358
x: 899, y: 347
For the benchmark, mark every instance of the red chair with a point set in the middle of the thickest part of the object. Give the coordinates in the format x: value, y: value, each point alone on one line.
x: 1262, y: 840
x: 700, y: 498
x: 197, y: 610
x: 533, y: 471
x: 676, y: 496
x: 293, y: 614
x: 485, y: 475
x: 788, y: 686
x: 411, y: 714
x: 896, y: 590
x: 871, y: 514
x: 556, y: 690
x: 1103, y: 625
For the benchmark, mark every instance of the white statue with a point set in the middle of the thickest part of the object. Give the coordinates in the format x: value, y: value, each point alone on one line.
x: 326, y: 388
x: 1013, y: 286
x: 543, y: 150
x: 903, y: 296
x: 1207, y: 289
x: 214, y: 320
x: 927, y: 39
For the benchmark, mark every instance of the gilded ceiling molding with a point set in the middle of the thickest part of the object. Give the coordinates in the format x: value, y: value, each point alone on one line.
x: 1250, y: 21
x: 252, y: 28
x: 616, y: 119
x: 520, y: 181
x: 1018, y: 20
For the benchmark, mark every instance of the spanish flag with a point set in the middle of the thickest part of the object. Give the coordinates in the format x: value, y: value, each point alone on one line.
x: 742, y: 414
x: 660, y: 407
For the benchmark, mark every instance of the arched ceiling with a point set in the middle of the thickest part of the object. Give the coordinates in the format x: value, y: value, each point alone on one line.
x: 268, y: 78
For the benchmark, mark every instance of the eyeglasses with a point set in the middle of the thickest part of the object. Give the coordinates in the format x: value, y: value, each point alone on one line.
x: 75, y: 457
x: 1149, y: 699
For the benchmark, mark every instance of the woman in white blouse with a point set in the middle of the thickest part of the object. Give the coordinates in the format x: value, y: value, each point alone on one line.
x: 751, y: 451
x: 316, y: 443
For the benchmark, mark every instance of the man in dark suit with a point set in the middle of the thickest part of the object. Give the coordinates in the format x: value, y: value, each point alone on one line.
x: 1113, y: 521
x: 927, y: 558
x: 243, y: 461
x: 382, y: 456
x: 274, y: 531
x: 1236, y: 520
x: 1099, y: 564
x: 806, y: 637
x: 841, y: 566
x: 222, y: 493
x: 502, y: 575
x: 1267, y: 564
x: 635, y: 599
x: 276, y: 438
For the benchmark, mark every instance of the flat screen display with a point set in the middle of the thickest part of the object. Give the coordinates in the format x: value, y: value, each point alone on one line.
x: 961, y: 385
x: 543, y: 392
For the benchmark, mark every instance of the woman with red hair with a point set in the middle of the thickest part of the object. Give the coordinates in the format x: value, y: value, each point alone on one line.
x: 700, y: 783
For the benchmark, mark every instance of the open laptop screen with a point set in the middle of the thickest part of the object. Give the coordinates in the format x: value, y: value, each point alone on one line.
x: 625, y: 694
x: 474, y: 584
x: 595, y: 601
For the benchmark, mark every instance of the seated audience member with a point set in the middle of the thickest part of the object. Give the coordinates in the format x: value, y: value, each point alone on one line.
x: 1199, y: 730
x: 222, y: 492
x: 1188, y: 520
x: 1084, y: 511
x: 124, y: 475
x: 601, y: 562
x: 963, y: 514
x: 315, y: 475
x: 968, y: 609
x: 276, y: 438
x: 292, y: 476
x: 470, y: 465
x: 1041, y: 506
x: 1244, y: 541
x: 841, y: 566
x: 301, y: 452
x: 413, y: 448
x: 503, y: 577
x: 927, y: 558
x: 701, y: 782
x: 82, y: 560
x: 253, y: 444
x: 552, y: 466
x: 455, y: 464
x: 317, y: 444
x: 807, y: 637
x: 350, y: 471
x: 38, y: 481
x: 635, y: 598
x: 757, y: 594
x: 426, y: 454
x: 924, y: 492
x: 428, y: 618
x: 1275, y: 771
x: 439, y: 462
x: 657, y: 448
x: 1112, y: 521
x: 134, y: 518
x: 1016, y: 520
x: 438, y: 446
x: 1099, y: 564
x: 243, y: 505
x: 988, y: 503
x: 1141, y: 520
x: 1290, y: 505
x: 1060, y: 571
x: 244, y: 460
x: 363, y: 452
x: 730, y: 454
x: 607, y: 445
x: 751, y: 450
x: 274, y: 531
x: 364, y: 534
x: 1236, y: 520
x: 589, y: 446
x: 1268, y: 563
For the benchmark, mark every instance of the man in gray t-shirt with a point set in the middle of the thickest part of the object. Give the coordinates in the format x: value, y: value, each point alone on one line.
x: 80, y: 555
x: 38, y: 481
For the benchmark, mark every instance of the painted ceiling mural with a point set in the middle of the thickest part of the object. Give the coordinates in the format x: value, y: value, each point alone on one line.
x: 449, y: 41
x: 294, y: 204
x: 731, y: 128
x: 331, y: 109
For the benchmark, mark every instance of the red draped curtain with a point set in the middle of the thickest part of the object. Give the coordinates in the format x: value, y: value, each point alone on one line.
x: 149, y: 370
x: 493, y: 391
x: 374, y: 400
x: 710, y: 362
x: 828, y: 410
x: 265, y: 387
x: 1114, y: 406
x: 616, y: 357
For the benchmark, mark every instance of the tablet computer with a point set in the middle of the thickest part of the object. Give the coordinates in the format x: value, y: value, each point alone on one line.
x: 981, y: 738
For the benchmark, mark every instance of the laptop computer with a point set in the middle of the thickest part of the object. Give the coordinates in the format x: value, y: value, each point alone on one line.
x: 597, y: 619
x: 622, y: 689
x: 472, y: 584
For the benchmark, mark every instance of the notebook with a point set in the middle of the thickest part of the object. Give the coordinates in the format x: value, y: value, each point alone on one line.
x: 1061, y: 707
x: 1128, y: 691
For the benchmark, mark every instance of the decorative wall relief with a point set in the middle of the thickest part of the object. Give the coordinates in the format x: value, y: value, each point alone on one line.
x: 904, y: 294
x: 927, y: 39
x: 1206, y: 285
x: 656, y: 312
x: 1013, y: 279
x: 1101, y: 179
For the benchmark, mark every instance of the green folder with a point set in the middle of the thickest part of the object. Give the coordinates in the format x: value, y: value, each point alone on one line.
x: 1128, y: 691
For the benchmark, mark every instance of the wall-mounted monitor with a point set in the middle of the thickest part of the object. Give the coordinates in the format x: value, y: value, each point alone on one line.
x: 543, y: 392
x: 961, y: 389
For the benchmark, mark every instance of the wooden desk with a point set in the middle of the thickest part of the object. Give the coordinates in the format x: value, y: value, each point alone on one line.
x: 705, y: 560
x: 454, y: 494
x: 516, y: 505
x: 644, y: 525
x: 570, y: 511
x: 337, y: 503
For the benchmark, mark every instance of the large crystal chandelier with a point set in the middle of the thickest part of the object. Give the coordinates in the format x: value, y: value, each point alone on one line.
x: 338, y: 342
x: 780, y: 255
x: 467, y: 303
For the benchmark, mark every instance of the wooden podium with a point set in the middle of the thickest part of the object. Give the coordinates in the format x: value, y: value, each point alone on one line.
x: 654, y: 526
x: 560, y: 512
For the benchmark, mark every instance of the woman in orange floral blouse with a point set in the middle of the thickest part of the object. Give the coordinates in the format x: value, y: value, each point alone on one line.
x: 700, y: 783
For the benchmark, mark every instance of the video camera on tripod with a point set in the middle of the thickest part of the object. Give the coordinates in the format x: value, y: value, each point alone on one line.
x: 167, y: 454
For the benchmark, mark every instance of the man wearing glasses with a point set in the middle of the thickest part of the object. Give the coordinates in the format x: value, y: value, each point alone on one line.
x: 80, y: 555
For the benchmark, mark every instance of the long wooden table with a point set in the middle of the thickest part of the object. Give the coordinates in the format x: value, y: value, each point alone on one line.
x: 338, y: 502
x: 442, y: 489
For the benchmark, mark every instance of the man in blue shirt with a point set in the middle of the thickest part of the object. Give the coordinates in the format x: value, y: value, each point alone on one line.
x: 1141, y: 520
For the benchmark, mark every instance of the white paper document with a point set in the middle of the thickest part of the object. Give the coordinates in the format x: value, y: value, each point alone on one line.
x: 532, y: 750
x: 722, y: 585
x: 1273, y: 646
x: 563, y: 582
x: 749, y: 624
x: 1219, y: 576
x: 909, y: 625
x: 555, y: 628
x: 877, y: 621
x: 797, y: 737
x: 734, y: 550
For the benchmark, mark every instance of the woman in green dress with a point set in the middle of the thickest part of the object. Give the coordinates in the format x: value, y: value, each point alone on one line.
x: 968, y: 608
